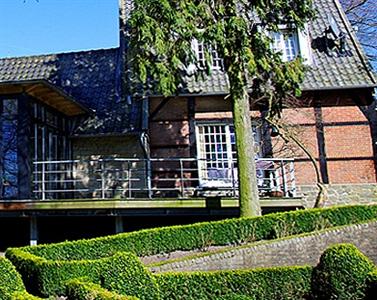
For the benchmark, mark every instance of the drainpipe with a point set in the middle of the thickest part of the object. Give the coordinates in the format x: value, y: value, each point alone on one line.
x: 145, y: 143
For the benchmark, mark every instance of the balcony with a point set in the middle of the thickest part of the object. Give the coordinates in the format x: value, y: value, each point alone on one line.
x: 156, y: 178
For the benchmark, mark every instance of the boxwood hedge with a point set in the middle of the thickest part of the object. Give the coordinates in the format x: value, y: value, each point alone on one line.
x: 23, y: 296
x: 44, y: 268
x: 11, y: 285
x: 82, y: 290
x: 122, y: 271
x: 269, y: 283
x: 196, y: 236
x: 341, y: 274
x: 10, y: 280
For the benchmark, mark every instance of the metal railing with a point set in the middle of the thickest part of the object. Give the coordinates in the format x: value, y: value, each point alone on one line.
x: 157, y: 177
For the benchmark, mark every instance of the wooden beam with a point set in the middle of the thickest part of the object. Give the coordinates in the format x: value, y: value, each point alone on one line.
x: 159, y: 107
x: 45, y: 94
x: 11, y: 89
x: 31, y: 87
x: 157, y: 203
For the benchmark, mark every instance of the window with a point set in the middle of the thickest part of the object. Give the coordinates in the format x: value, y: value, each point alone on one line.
x: 9, y: 159
x: 216, y: 61
x: 286, y: 42
x: 292, y: 42
x: 50, y: 143
x: 217, y: 152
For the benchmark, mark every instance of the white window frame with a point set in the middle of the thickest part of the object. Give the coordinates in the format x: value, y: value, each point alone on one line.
x: 286, y: 43
x: 226, y: 167
x: 301, y: 42
x: 217, y: 63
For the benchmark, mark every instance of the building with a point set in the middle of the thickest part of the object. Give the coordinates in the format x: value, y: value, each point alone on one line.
x: 76, y: 148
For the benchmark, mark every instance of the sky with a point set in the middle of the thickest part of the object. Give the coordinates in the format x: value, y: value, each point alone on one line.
x: 29, y: 27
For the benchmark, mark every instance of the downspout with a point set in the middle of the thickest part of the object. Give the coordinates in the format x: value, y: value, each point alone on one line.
x: 145, y: 143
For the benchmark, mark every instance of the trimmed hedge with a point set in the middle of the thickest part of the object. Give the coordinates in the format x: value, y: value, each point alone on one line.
x: 81, y: 290
x: 11, y: 285
x: 341, y: 274
x: 269, y: 283
x: 235, y: 297
x: 23, y: 296
x: 122, y: 271
x: 10, y: 280
x: 45, y: 268
x: 196, y: 236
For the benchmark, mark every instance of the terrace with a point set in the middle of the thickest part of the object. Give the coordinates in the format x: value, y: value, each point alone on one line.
x: 132, y: 179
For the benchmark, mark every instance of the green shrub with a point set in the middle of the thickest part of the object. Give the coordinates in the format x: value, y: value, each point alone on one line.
x: 46, y: 277
x: 81, y: 290
x: 10, y: 279
x: 270, y: 283
x: 196, y: 236
x: 126, y: 275
x: 122, y: 272
x: 45, y: 267
x: 23, y: 296
x: 341, y: 274
x: 236, y: 297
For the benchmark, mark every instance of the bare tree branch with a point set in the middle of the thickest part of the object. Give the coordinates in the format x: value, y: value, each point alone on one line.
x: 362, y: 15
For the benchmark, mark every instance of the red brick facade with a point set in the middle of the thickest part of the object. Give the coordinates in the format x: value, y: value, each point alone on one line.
x: 338, y: 134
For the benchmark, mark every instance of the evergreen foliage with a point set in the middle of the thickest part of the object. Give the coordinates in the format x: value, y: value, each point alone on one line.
x: 268, y: 283
x: 82, y: 290
x: 122, y: 271
x: 341, y: 274
x: 160, y: 57
x: 11, y: 285
x: 10, y: 280
x: 45, y: 268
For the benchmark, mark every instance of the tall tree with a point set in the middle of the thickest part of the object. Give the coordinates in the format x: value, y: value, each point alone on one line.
x: 161, y: 56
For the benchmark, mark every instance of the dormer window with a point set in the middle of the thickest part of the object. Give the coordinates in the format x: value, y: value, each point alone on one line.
x: 291, y: 43
x: 200, y: 49
x: 286, y: 42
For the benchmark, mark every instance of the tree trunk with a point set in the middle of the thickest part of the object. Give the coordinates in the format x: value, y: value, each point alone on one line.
x: 248, y: 188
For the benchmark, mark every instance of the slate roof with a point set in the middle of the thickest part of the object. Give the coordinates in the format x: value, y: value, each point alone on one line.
x: 328, y: 70
x: 93, y: 77
x: 90, y: 77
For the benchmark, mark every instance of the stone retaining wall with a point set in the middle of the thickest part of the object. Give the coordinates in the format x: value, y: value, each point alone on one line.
x: 302, y: 250
x: 341, y: 194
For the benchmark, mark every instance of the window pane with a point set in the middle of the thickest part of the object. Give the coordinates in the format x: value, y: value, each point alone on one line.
x: 9, y: 149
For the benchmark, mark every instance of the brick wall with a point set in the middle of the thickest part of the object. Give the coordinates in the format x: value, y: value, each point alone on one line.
x: 346, y: 141
x: 338, y: 134
x: 302, y: 250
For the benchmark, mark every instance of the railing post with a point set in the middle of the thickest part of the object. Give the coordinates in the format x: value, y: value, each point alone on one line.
x: 182, y: 175
x: 129, y: 180
x: 293, y: 178
x: 103, y: 179
x: 284, y: 177
x: 149, y: 177
x: 43, y: 181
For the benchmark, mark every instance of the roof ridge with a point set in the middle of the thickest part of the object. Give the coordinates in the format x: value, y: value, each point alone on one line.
x: 59, y: 53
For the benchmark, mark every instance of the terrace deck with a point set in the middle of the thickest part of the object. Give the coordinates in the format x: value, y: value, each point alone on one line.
x: 132, y: 206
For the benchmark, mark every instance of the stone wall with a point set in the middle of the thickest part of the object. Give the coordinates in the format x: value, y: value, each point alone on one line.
x: 302, y: 250
x: 341, y: 194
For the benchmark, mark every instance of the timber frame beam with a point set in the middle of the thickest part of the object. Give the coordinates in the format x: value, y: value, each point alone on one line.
x: 46, y: 93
